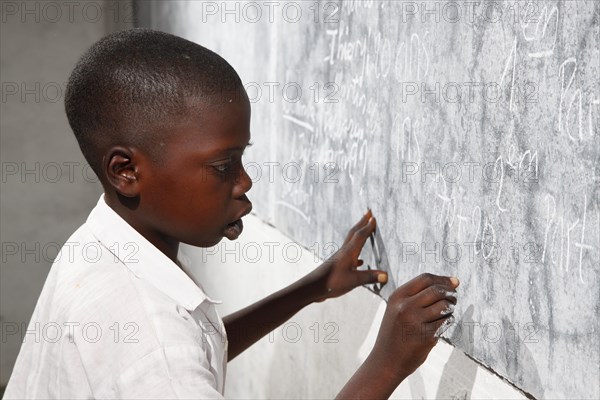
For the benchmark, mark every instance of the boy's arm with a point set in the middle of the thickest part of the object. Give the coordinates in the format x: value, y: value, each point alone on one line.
x: 416, y: 314
x: 248, y: 325
x: 336, y: 276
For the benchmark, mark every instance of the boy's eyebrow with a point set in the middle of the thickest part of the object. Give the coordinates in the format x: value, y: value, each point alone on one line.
x: 230, y: 149
x: 238, y: 147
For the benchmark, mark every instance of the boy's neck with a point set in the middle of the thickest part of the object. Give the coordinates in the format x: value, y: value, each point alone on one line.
x: 125, y: 207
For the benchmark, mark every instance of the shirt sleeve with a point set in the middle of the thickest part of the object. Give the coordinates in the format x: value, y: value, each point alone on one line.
x: 173, y: 372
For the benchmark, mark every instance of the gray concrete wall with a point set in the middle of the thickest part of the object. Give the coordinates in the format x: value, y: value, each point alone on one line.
x: 47, y: 189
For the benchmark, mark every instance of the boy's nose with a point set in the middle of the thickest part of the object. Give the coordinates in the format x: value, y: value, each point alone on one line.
x: 242, y: 184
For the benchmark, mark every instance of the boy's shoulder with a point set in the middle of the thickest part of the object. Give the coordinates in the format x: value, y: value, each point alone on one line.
x: 107, y: 268
x: 87, y: 278
x: 91, y: 286
x: 96, y: 313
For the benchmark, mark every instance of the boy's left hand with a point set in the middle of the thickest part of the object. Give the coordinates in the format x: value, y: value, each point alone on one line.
x: 338, y: 274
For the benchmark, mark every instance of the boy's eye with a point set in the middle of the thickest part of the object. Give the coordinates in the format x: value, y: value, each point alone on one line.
x: 222, y: 168
x: 228, y: 166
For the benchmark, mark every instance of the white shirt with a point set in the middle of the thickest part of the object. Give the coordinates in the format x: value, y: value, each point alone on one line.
x: 118, y: 319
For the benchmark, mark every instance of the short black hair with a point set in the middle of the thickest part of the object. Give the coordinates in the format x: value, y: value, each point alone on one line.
x: 132, y: 84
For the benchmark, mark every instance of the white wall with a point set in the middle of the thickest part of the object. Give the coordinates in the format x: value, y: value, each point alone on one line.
x: 316, y: 351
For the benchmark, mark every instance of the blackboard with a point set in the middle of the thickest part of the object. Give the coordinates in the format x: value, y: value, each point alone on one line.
x: 470, y: 129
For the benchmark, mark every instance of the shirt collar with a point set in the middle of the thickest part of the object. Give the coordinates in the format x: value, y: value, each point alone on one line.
x: 142, y: 258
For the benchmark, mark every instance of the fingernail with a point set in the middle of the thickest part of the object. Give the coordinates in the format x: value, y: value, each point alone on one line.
x: 454, y: 281
x: 382, y: 278
x: 448, y: 310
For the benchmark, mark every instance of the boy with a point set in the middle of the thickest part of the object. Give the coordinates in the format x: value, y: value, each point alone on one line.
x: 164, y: 122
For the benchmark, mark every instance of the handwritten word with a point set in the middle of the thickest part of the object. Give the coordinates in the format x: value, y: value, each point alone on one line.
x: 572, y: 118
x: 565, y: 236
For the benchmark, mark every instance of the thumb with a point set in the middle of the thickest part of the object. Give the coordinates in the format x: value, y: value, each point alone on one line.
x: 372, y: 276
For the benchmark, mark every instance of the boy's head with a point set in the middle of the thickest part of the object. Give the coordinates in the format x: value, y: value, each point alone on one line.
x: 163, y: 122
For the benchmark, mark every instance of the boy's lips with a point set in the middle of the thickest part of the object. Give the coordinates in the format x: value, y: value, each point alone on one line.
x: 235, y: 228
x: 244, y: 213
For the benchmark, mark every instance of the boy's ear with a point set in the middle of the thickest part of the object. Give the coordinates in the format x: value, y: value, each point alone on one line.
x: 121, y: 171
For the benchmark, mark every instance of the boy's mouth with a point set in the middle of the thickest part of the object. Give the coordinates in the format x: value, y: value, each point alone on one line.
x: 234, y: 229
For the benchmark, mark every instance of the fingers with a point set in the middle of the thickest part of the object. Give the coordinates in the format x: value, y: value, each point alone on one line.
x: 358, y: 226
x: 360, y: 236
x: 423, y: 281
x: 373, y: 276
x: 440, y: 326
x: 435, y: 293
x: 438, y: 310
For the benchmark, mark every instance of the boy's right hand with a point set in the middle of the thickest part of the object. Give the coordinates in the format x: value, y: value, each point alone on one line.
x: 414, y: 313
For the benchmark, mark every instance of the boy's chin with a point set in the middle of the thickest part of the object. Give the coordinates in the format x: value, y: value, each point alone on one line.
x: 204, y: 243
x: 231, y: 232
